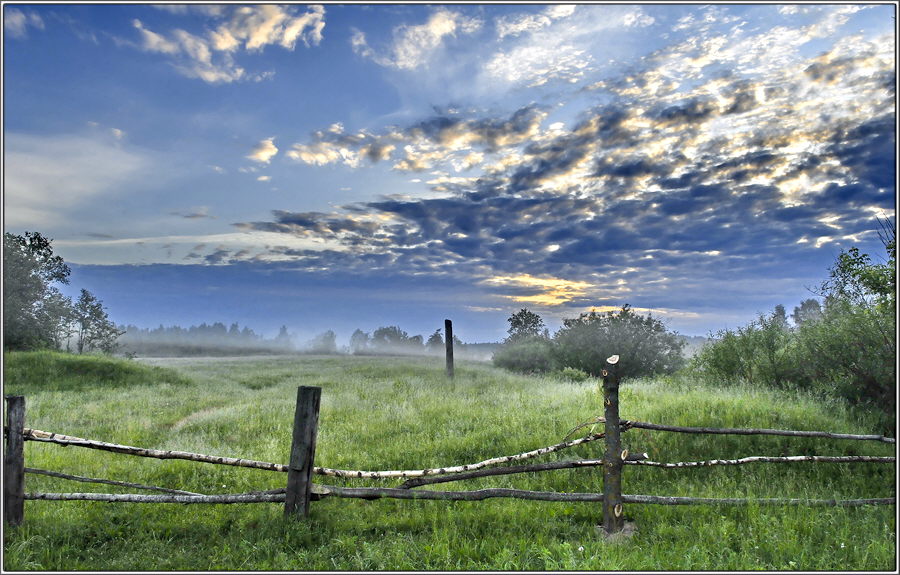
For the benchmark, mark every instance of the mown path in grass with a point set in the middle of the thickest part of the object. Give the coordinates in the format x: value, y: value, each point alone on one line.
x: 403, y: 413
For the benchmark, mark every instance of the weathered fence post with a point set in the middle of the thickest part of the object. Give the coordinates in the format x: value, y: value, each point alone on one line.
x: 303, y: 451
x: 14, y: 462
x: 613, y: 519
x: 448, y: 335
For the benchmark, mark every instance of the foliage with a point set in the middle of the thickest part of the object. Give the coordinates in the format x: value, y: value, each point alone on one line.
x: 203, y: 339
x: 573, y: 374
x: 526, y: 355
x: 525, y: 324
x: 245, y: 408
x: 643, y: 343
x: 93, y: 328
x: 323, y: 343
x: 846, y: 348
x: 33, y: 308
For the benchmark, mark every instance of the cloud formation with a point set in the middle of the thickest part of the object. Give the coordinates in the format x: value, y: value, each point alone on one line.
x: 16, y: 22
x: 211, y: 56
x: 413, y: 45
x: 690, y: 168
x: 264, y: 151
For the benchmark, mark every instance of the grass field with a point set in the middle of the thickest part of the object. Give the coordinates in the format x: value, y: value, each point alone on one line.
x: 402, y: 413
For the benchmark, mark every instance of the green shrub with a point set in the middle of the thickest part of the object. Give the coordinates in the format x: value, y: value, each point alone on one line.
x: 573, y: 374
x: 528, y: 355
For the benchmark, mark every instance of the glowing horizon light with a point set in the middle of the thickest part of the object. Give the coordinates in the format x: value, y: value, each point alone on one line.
x: 553, y: 291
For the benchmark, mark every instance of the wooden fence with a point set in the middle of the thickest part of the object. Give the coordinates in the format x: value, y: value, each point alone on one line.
x: 300, y: 490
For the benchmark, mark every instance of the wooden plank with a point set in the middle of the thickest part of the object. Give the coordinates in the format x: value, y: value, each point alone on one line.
x: 14, y: 462
x: 303, y: 451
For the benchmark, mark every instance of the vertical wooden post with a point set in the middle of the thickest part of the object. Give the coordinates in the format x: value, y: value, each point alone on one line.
x: 448, y: 336
x: 613, y: 518
x: 303, y: 451
x: 14, y: 462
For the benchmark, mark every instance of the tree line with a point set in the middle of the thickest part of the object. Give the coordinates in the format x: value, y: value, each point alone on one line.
x: 841, y: 344
x: 36, y: 314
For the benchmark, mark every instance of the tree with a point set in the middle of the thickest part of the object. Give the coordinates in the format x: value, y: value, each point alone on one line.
x: 809, y: 310
x: 359, y: 341
x: 435, y: 342
x: 524, y: 324
x: 93, y: 328
x: 33, y: 307
x: 643, y: 343
x: 324, y: 343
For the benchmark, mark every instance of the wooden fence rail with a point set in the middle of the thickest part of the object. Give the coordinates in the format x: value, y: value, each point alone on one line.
x: 300, y: 490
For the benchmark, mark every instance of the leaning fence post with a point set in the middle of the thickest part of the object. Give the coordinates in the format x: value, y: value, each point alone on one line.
x: 448, y: 334
x: 303, y: 451
x: 613, y: 519
x: 14, y: 462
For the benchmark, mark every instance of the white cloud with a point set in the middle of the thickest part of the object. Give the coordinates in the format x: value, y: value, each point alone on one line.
x: 264, y: 151
x: 518, y: 24
x: 210, y: 56
x: 414, y: 45
x: 16, y: 22
x: 47, y: 175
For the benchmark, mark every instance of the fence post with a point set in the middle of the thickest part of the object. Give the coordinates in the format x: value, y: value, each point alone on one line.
x: 303, y: 451
x: 448, y: 335
x: 613, y: 519
x: 14, y: 462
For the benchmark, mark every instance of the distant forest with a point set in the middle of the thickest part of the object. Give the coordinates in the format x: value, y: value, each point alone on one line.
x: 203, y: 339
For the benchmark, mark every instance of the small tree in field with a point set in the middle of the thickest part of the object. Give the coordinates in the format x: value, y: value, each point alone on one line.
x: 524, y: 325
x: 93, y: 329
x: 643, y: 343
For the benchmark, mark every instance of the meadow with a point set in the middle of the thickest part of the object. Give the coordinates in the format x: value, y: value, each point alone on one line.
x: 403, y: 413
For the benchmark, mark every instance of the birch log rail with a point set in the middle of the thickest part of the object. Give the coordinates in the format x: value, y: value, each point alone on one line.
x: 749, y: 431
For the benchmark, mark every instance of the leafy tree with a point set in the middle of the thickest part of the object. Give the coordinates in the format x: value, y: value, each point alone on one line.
x: 359, y: 341
x: 324, y: 343
x: 526, y: 355
x: 93, y: 329
x: 435, y: 341
x: 524, y: 324
x: 34, y: 309
x: 809, y: 310
x: 643, y: 343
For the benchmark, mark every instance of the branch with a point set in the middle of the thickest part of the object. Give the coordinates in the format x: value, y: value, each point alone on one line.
x: 732, y: 431
x: 130, y: 498
x: 458, y: 468
x: 763, y: 459
x: 106, y: 481
x: 416, y: 482
x: 44, y: 436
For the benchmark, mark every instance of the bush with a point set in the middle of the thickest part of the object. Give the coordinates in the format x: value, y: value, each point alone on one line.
x: 573, y: 374
x: 527, y: 355
x: 642, y: 342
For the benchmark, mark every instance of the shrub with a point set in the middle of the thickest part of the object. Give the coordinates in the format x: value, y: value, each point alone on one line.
x: 527, y: 355
x: 573, y: 374
x: 642, y: 342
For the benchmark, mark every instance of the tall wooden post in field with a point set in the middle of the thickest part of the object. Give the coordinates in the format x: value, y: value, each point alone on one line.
x: 448, y: 336
x: 303, y: 451
x: 14, y: 462
x: 613, y: 518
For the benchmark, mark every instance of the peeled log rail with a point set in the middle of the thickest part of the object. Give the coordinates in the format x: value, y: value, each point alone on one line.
x: 749, y: 431
x: 105, y: 481
x: 478, y: 495
x: 132, y: 498
x: 321, y: 491
x: 537, y: 467
x: 60, y: 439
x: 764, y: 459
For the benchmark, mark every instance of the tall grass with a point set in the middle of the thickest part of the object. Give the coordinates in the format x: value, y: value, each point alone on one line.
x: 403, y: 413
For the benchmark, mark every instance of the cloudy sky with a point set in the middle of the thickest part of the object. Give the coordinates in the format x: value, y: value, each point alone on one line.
x: 342, y: 166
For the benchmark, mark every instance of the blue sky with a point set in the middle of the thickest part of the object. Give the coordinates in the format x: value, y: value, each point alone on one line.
x: 353, y: 166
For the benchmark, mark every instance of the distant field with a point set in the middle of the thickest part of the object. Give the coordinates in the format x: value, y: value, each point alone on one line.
x: 403, y: 413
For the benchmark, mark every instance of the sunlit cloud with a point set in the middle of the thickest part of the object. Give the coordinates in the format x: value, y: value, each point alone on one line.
x: 16, y: 22
x: 264, y: 151
x: 539, y: 291
x: 414, y: 44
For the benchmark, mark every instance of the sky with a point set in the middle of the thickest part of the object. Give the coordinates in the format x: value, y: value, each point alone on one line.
x: 364, y: 165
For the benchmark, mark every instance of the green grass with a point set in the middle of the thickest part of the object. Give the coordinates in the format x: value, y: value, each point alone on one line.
x: 402, y: 413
